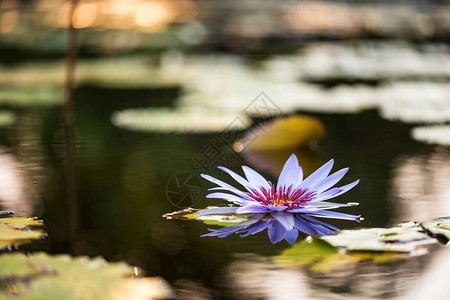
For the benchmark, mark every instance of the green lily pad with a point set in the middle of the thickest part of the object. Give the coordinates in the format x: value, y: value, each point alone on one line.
x: 31, y: 96
x: 321, y: 257
x: 407, y: 237
x: 42, y: 276
x: 220, y: 220
x: 187, y: 119
x: 438, y: 228
x: 15, y: 231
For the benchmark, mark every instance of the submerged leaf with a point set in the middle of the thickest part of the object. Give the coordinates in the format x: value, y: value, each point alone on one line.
x: 283, y: 133
x: 438, y: 227
x: 42, y: 276
x: 322, y: 257
x: 14, y: 231
x: 305, y: 252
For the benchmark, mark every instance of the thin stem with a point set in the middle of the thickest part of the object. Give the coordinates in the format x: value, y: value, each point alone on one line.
x: 69, y: 122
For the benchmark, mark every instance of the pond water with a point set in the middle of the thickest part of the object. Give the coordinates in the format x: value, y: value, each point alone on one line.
x: 123, y: 179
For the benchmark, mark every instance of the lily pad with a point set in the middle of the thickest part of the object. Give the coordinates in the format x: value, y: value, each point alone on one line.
x: 129, y: 71
x: 438, y: 227
x: 284, y: 133
x: 437, y: 134
x: 31, y: 96
x: 42, y: 276
x: 415, y: 102
x: 407, y: 237
x: 15, y: 231
x: 220, y: 220
x: 179, y: 120
x: 322, y: 257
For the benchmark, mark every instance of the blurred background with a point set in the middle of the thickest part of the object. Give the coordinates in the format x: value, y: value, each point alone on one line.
x: 167, y: 89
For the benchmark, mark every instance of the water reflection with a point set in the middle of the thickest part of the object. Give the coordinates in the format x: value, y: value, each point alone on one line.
x: 256, y: 277
x: 420, y: 189
x: 191, y: 290
x: 14, y: 186
x: 434, y: 283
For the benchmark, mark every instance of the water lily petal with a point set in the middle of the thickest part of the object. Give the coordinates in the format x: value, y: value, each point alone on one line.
x: 222, y: 184
x: 326, y: 195
x: 223, y: 232
x: 304, y: 210
x: 291, y: 173
x: 335, y: 215
x: 237, y: 177
x: 312, y: 226
x: 217, y: 210
x: 346, y: 188
x: 291, y: 236
x: 314, y: 220
x: 258, y: 227
x: 277, y: 208
x: 328, y: 182
x: 305, y: 226
x: 255, y: 179
x: 277, y: 232
x: 329, y: 205
x: 252, y: 209
x: 317, y: 176
x: 225, y: 196
x: 285, y: 219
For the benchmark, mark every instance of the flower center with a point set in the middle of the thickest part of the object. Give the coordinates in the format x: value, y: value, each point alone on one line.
x: 289, y: 197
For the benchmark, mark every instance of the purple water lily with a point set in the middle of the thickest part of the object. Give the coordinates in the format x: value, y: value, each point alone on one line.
x: 285, y: 209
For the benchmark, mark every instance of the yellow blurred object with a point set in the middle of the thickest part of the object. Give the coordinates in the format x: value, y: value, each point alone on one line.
x: 317, y: 16
x: 8, y: 21
x: 85, y: 15
x: 154, y: 14
x: 283, y: 133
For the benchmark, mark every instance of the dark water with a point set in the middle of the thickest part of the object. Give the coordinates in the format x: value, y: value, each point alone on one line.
x: 122, y: 179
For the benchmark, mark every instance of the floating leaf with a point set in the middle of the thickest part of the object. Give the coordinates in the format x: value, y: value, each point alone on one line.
x: 48, y: 77
x: 407, y: 237
x: 220, y: 220
x: 416, y: 102
x: 283, y: 133
x: 30, y: 96
x: 438, y: 227
x: 179, y: 120
x: 321, y: 257
x: 14, y: 231
x: 42, y: 276
x: 438, y: 134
